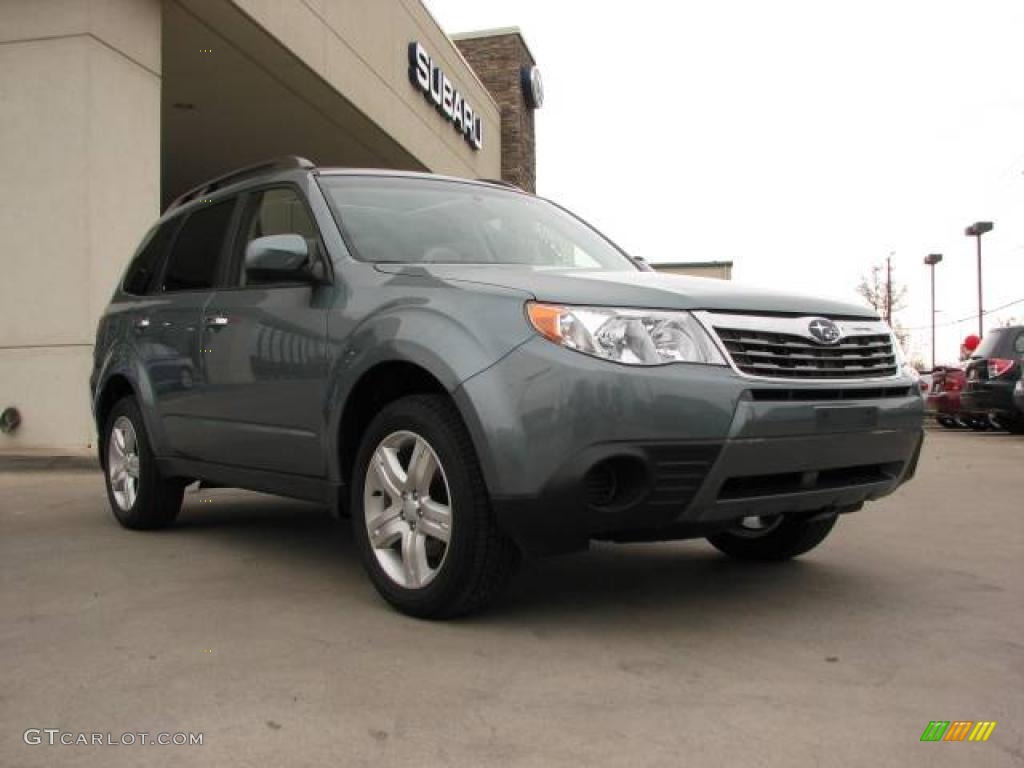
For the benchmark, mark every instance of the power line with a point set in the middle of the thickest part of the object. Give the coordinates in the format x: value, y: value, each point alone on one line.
x: 965, y: 319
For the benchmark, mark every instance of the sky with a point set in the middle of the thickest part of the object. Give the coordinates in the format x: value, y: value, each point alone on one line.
x: 804, y: 140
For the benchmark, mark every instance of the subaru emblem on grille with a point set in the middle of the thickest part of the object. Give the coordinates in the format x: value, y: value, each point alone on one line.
x: 824, y: 331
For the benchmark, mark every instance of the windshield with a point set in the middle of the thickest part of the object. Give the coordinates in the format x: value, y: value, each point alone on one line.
x: 412, y: 220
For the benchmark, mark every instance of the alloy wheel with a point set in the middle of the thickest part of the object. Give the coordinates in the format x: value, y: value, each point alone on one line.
x: 756, y: 526
x: 123, y: 463
x: 408, y: 509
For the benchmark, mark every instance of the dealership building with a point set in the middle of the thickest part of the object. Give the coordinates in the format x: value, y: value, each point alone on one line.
x: 109, y: 109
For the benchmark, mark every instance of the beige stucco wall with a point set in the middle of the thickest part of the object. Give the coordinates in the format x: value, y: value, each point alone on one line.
x: 360, y: 48
x: 717, y: 270
x: 80, y: 144
x: 79, y: 104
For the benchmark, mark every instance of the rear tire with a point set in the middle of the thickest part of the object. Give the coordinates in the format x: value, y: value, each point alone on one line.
x: 979, y: 423
x: 1014, y: 426
x: 948, y: 422
x: 418, y: 492
x: 785, y: 540
x: 140, y: 497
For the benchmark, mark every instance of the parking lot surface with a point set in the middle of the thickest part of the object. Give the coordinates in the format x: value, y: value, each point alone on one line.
x: 251, y: 622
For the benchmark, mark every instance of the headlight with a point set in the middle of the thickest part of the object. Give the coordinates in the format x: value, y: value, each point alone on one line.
x: 631, y: 336
x: 902, y: 364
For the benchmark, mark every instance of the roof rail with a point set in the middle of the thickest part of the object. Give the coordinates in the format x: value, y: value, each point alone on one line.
x: 503, y: 183
x: 278, y: 164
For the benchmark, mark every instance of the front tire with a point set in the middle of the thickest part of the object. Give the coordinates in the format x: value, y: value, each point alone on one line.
x: 140, y: 497
x: 772, y: 539
x: 421, y: 515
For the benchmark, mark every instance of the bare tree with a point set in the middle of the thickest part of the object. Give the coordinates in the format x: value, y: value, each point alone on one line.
x: 885, y: 296
x: 876, y: 290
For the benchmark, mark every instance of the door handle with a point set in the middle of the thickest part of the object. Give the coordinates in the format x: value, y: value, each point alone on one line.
x: 216, y: 321
x: 142, y: 324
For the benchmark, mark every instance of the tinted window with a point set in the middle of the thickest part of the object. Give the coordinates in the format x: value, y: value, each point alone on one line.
x: 193, y: 262
x: 1018, y: 345
x: 413, y: 220
x: 990, y: 344
x: 279, y: 212
x: 140, y: 275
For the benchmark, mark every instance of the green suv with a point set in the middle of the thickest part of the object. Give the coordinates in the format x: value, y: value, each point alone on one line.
x: 470, y: 373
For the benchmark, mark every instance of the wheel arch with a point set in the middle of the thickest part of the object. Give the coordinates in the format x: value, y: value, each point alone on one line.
x: 378, y: 385
x: 122, y: 376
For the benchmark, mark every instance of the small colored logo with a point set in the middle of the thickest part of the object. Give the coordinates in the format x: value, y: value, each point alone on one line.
x: 958, y: 730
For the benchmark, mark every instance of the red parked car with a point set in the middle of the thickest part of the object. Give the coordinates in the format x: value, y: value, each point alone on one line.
x: 944, y: 396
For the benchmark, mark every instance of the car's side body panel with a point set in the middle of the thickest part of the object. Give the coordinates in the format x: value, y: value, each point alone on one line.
x: 449, y: 332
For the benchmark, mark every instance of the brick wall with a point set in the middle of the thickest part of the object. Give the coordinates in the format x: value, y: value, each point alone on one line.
x: 498, y: 61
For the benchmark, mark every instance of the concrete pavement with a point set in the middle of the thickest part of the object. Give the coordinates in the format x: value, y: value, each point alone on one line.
x: 252, y: 623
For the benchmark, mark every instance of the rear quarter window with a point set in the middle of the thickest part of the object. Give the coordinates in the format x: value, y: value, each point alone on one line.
x: 990, y: 345
x: 140, y: 278
x: 195, y: 257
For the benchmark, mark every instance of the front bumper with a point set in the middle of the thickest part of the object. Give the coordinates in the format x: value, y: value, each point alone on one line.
x: 694, y: 448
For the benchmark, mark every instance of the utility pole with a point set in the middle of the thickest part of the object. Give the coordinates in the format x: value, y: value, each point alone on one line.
x: 888, y: 289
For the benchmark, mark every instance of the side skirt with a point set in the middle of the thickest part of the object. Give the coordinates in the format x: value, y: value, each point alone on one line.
x: 316, y: 489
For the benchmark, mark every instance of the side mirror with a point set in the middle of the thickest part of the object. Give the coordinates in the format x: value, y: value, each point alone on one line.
x: 279, y: 258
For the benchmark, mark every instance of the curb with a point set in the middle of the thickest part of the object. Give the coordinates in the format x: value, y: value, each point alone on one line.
x: 15, y: 463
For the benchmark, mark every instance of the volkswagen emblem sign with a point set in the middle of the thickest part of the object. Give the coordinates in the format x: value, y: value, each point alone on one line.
x: 824, y: 331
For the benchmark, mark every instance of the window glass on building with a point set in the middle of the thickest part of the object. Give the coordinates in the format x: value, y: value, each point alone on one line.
x: 141, y: 274
x: 279, y: 211
x: 196, y: 253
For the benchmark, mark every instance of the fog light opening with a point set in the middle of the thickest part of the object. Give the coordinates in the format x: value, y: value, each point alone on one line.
x: 615, y: 483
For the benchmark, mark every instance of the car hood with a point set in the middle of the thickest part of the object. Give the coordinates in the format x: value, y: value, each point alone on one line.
x: 649, y: 290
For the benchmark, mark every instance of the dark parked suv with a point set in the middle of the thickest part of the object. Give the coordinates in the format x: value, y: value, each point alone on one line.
x: 470, y: 372
x: 993, y: 373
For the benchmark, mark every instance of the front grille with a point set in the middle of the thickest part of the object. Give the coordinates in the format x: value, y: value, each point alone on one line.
x: 817, y: 394
x: 788, y: 356
x: 753, y: 486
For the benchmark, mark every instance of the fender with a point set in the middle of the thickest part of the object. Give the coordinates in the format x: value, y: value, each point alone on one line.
x: 120, y: 360
x: 448, y: 348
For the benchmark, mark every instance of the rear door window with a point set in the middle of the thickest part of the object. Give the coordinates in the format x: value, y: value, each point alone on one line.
x: 195, y: 257
x: 141, y: 275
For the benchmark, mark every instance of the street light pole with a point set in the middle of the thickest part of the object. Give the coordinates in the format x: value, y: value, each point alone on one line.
x: 976, y: 230
x: 931, y: 260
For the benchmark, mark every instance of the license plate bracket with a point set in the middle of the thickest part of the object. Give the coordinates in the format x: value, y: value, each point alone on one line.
x: 840, y: 417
